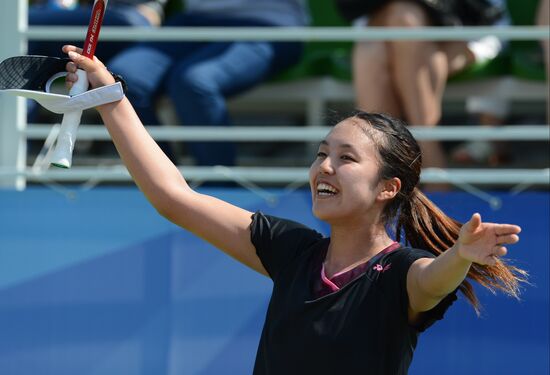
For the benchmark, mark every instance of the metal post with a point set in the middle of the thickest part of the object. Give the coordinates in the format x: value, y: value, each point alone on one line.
x: 13, y: 22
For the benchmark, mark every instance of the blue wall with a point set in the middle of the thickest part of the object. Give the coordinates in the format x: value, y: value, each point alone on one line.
x: 101, y: 284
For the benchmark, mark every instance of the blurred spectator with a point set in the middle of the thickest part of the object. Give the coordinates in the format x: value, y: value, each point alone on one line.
x: 494, y: 112
x: 199, y: 76
x: 407, y: 78
x: 77, y: 13
x: 486, y: 111
x: 490, y: 112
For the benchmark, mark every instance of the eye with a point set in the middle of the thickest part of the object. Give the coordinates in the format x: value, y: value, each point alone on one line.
x: 347, y: 158
x: 321, y: 155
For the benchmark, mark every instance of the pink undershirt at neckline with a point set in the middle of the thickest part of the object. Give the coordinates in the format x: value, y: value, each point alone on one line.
x: 340, y: 279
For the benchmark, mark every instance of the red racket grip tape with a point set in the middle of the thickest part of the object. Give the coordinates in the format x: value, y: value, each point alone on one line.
x: 63, y: 151
x: 92, y: 36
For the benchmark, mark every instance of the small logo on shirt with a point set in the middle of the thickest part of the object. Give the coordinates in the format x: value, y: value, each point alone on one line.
x: 380, y: 268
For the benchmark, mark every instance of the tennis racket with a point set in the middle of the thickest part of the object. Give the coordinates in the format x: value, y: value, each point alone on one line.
x: 63, y: 150
x: 34, y: 73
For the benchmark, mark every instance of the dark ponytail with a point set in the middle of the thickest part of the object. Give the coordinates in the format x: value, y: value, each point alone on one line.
x: 416, y: 219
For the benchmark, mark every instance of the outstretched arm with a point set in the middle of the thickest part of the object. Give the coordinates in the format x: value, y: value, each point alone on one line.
x: 220, y: 223
x: 430, y: 280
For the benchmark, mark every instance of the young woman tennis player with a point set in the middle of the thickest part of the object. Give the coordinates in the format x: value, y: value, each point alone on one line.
x: 353, y: 303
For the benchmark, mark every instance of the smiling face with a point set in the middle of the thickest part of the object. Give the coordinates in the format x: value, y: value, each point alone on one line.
x: 344, y: 178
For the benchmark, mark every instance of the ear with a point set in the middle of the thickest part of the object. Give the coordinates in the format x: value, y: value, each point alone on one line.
x: 389, y: 189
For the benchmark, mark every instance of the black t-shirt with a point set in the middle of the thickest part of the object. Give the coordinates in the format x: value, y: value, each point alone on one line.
x: 360, y: 329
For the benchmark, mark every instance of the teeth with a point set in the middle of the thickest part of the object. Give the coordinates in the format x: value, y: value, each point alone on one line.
x: 325, y: 189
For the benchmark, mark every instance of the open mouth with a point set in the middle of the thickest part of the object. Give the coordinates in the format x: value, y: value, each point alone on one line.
x: 325, y: 190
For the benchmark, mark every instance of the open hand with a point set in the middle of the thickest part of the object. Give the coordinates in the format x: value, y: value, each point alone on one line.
x: 483, y: 243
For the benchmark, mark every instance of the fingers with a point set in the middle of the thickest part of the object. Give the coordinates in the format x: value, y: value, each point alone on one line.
x: 75, y: 54
x: 503, y: 229
x: 500, y: 251
x: 71, y: 77
x: 68, y: 48
x: 97, y: 74
x: 492, y: 259
x: 474, y: 223
x: 80, y: 60
x: 70, y: 80
x: 71, y: 67
x: 508, y: 239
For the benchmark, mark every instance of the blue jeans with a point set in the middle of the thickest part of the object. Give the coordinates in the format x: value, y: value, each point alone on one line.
x: 116, y: 15
x: 199, y: 76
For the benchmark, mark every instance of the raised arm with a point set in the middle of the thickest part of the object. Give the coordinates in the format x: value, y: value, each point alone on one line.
x: 430, y: 280
x: 224, y: 225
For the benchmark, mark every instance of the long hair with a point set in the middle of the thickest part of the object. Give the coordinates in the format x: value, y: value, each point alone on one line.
x: 415, y: 217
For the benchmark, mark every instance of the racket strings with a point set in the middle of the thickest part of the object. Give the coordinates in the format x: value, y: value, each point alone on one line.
x: 29, y: 72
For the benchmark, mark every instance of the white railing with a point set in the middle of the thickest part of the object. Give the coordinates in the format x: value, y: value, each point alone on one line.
x: 286, y: 175
x: 309, y: 34
x: 303, y: 134
x: 13, y: 20
x: 14, y: 132
x: 295, y: 176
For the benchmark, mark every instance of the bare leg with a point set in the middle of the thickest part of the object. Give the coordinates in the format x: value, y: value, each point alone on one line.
x: 419, y: 68
x: 374, y: 90
x: 419, y: 71
x: 420, y: 81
